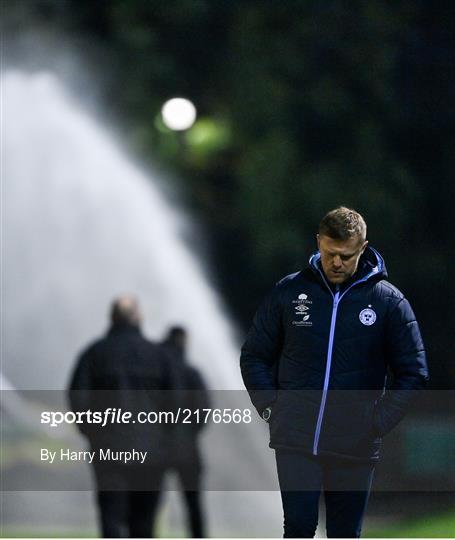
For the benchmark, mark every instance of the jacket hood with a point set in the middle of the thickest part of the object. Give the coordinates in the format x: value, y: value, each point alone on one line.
x: 371, y: 264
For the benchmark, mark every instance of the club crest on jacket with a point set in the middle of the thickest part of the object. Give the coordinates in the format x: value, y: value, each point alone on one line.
x: 367, y: 316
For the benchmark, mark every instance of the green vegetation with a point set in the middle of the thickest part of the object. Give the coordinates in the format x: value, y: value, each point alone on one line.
x: 442, y: 526
x: 303, y: 105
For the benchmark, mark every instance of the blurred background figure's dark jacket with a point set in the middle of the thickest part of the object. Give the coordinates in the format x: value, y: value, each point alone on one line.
x: 192, y: 396
x: 123, y: 370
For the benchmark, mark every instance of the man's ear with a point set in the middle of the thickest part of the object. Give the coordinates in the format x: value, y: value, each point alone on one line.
x: 317, y: 239
x: 365, y: 245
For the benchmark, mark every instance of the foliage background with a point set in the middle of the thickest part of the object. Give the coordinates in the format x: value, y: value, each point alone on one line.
x: 303, y: 105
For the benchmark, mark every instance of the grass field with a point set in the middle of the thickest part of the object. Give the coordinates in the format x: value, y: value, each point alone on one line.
x: 442, y: 526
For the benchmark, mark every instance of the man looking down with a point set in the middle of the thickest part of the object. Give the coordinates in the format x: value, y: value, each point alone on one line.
x: 315, y: 363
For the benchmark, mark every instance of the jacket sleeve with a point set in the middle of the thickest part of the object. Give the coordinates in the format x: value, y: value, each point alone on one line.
x: 261, y: 352
x: 406, y: 359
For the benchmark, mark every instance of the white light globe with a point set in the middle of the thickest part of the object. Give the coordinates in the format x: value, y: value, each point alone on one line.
x: 178, y: 114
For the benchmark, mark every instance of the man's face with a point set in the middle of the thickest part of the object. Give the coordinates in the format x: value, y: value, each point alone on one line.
x: 339, y: 258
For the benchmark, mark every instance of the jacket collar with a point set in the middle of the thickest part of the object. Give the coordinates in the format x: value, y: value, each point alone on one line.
x: 123, y: 328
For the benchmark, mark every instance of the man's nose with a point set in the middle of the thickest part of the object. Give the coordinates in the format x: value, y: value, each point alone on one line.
x: 337, y: 261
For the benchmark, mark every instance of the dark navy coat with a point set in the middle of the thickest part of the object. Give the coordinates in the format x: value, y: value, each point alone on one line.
x: 319, y: 355
x: 124, y: 370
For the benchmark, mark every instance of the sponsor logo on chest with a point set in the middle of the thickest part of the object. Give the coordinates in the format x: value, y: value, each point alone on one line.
x: 302, y: 310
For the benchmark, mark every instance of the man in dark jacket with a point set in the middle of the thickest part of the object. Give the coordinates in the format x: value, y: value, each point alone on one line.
x: 125, y: 371
x: 315, y: 363
x: 185, y: 458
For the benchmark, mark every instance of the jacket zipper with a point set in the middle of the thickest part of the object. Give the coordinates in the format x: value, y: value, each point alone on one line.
x: 327, y: 371
x: 336, y: 300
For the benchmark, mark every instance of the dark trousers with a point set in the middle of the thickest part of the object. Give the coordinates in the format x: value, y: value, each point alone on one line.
x: 132, y: 514
x: 127, y: 514
x: 124, y: 511
x: 189, y: 477
x: 346, y: 486
x: 190, y: 480
x: 193, y: 512
x: 195, y: 518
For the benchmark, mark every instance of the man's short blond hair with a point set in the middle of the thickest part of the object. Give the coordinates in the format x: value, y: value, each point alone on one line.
x: 342, y: 224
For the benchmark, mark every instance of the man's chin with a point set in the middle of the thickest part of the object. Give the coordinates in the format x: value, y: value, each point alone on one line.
x: 337, y: 278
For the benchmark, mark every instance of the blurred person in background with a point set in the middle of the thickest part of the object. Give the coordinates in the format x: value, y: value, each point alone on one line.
x: 185, y: 458
x: 126, y: 371
x: 315, y: 364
